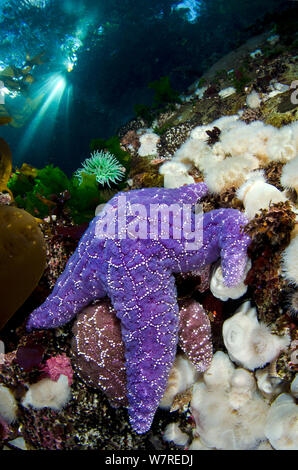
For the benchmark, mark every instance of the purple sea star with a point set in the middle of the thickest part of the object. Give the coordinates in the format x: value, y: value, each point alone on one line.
x: 137, y: 275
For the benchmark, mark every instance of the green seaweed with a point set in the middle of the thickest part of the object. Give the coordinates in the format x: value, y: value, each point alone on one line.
x: 161, y: 130
x: 50, y: 180
x: 34, y: 193
x: 145, y: 112
x: 37, y: 194
x: 84, y: 199
x: 240, y: 79
x: 202, y: 82
x: 164, y: 93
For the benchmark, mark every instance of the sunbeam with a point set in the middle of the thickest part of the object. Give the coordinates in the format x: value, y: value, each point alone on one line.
x: 44, y: 121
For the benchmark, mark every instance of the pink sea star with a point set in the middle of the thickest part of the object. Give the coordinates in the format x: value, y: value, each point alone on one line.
x: 99, y: 352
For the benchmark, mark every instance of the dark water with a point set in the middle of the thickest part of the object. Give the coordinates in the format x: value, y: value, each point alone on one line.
x: 100, y: 55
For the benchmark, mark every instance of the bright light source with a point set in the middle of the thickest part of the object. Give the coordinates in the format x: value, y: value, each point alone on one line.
x: 69, y: 66
x: 53, y: 90
x: 61, y: 84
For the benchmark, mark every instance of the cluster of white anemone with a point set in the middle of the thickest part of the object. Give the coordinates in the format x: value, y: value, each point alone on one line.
x: 182, y: 376
x: 148, y: 141
x: 237, y: 409
x: 229, y: 412
x: 237, y: 404
x: 235, y: 161
x: 45, y: 393
x: 241, y: 149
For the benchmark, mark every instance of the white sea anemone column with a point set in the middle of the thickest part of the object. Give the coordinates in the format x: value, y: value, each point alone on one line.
x: 282, y: 423
x: 250, y: 343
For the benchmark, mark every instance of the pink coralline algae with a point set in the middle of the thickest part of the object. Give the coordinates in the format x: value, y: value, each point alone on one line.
x: 5, y: 199
x: 99, y: 352
x: 58, y: 365
x: 137, y: 274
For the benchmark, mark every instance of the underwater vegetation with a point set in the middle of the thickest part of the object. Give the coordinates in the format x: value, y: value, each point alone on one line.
x: 33, y: 188
x: 37, y: 190
x: 164, y: 97
x: 18, y: 79
x: 164, y: 93
x: 22, y: 247
x: 23, y: 259
x: 240, y: 79
x: 139, y: 343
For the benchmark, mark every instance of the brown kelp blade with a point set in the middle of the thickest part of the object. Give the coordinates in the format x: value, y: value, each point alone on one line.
x: 36, y: 60
x: 23, y: 259
x: 8, y: 72
x: 5, y: 165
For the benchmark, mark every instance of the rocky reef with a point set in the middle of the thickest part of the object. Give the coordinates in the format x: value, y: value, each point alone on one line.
x: 219, y: 332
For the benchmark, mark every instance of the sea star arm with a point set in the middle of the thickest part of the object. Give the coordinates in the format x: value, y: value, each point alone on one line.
x: 145, y: 301
x: 78, y: 285
x: 192, y: 192
x: 188, y: 194
x: 233, y: 242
